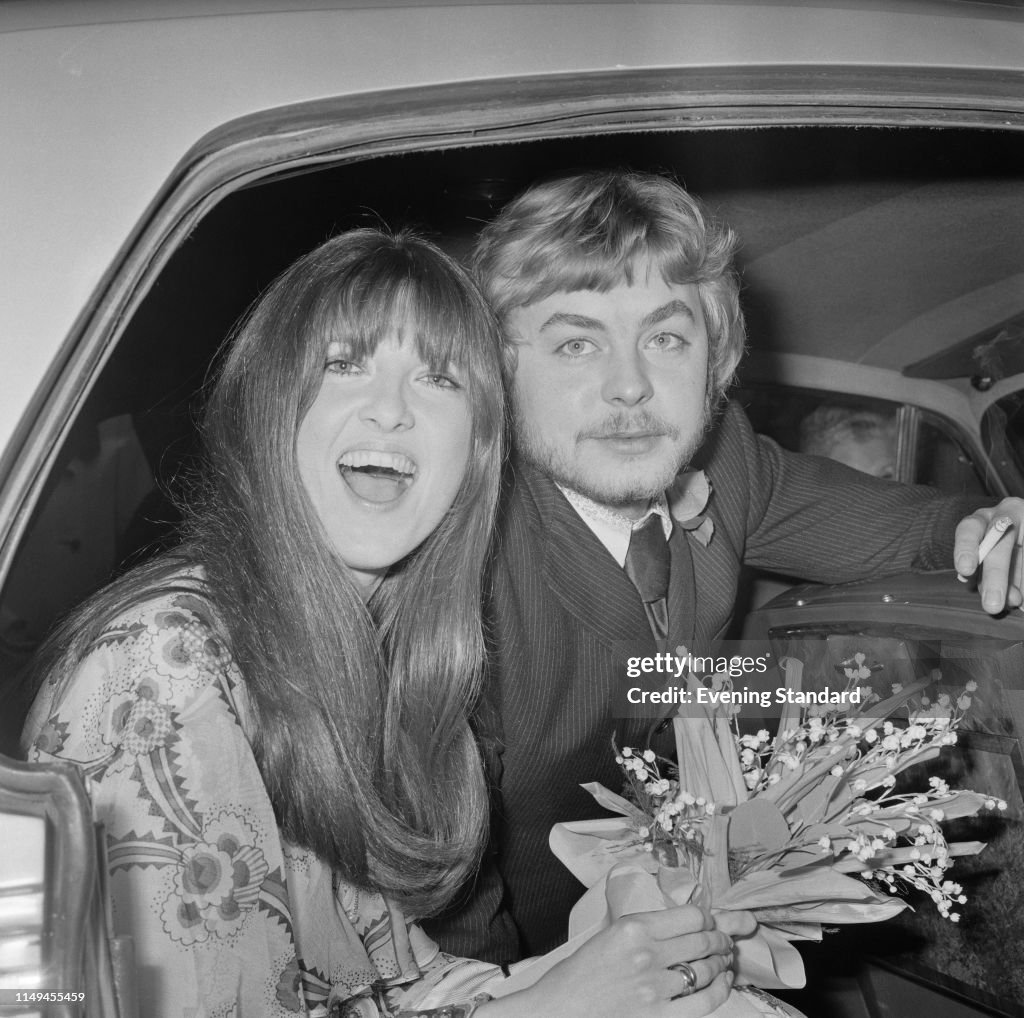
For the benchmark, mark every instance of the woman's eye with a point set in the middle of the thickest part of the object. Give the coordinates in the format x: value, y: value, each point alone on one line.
x: 442, y: 380
x: 576, y: 347
x: 340, y: 366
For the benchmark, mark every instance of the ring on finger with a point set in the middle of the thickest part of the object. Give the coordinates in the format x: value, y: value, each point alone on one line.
x: 689, y: 978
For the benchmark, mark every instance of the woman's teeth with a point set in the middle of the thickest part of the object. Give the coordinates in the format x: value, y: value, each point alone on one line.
x: 377, y: 476
x: 360, y: 459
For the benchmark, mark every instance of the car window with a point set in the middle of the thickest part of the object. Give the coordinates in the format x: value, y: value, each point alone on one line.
x: 855, y: 430
x: 864, y: 433
x: 111, y: 494
x: 942, y: 460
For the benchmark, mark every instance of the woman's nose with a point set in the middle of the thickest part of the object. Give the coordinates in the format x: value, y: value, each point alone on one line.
x: 386, y: 405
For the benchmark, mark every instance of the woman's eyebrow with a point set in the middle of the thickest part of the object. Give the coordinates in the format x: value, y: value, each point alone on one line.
x: 666, y: 311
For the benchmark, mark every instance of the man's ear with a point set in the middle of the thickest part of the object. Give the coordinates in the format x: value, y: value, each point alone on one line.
x: 509, y: 360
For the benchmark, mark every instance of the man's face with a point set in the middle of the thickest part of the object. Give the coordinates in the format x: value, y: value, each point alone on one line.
x: 610, y: 389
x: 875, y: 455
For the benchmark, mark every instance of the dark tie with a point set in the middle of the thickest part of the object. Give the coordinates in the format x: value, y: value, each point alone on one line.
x: 647, y: 565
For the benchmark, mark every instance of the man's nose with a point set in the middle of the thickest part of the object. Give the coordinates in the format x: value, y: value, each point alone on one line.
x: 627, y: 382
x: 386, y: 405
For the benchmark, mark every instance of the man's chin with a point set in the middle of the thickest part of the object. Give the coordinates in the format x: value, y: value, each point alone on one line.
x: 610, y: 480
x: 620, y: 489
x: 618, y: 497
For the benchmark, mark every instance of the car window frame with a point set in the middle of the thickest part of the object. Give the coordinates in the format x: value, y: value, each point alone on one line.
x: 305, y: 136
x: 909, y: 418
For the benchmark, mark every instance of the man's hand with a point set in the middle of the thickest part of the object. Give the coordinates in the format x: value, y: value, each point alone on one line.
x: 1001, y: 584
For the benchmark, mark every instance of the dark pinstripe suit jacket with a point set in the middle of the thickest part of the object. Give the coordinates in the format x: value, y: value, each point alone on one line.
x: 559, y: 602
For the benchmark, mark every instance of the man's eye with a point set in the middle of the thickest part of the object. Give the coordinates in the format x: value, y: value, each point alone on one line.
x: 665, y: 341
x: 575, y: 347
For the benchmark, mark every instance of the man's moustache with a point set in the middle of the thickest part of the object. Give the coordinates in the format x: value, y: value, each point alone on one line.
x: 624, y: 427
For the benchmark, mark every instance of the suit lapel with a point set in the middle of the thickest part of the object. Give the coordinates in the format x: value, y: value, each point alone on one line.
x: 580, y: 571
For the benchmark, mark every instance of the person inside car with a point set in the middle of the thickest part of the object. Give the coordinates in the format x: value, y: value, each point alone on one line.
x: 862, y: 439
x: 635, y: 492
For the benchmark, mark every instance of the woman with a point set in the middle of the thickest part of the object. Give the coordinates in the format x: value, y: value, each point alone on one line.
x: 274, y: 717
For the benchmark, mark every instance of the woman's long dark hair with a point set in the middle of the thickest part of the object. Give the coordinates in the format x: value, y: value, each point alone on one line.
x: 360, y: 710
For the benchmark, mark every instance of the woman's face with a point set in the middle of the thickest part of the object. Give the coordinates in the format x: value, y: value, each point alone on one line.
x: 382, y: 452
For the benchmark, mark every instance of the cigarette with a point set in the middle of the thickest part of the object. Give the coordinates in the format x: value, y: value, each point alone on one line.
x: 992, y: 537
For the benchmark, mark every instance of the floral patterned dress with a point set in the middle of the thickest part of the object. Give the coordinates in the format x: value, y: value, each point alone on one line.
x: 227, y: 918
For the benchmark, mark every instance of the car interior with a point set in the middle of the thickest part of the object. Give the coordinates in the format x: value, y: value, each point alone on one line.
x: 873, y: 248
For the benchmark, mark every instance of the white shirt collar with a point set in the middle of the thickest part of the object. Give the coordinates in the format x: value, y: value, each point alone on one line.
x: 613, y: 529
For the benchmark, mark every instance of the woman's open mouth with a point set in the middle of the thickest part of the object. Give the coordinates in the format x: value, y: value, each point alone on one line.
x: 376, y: 476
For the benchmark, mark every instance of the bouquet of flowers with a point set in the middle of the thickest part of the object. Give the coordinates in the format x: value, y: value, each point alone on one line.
x: 804, y: 829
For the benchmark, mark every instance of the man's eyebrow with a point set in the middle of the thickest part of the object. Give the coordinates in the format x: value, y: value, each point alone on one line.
x: 576, y: 321
x: 666, y: 311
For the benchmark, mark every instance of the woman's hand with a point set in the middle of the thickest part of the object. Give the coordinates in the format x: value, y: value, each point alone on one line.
x: 627, y: 970
x: 735, y: 924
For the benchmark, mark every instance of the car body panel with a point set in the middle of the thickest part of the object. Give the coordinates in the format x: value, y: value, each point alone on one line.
x: 99, y: 113
x: 934, y: 599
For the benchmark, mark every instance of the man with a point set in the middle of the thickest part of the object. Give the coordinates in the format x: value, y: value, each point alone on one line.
x: 621, y: 316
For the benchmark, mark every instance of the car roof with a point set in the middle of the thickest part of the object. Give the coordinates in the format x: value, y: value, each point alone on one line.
x: 884, y: 272
x: 105, y: 104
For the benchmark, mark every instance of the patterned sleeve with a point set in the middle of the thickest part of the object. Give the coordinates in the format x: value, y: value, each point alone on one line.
x: 226, y: 917
x: 361, y: 958
x: 195, y: 860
